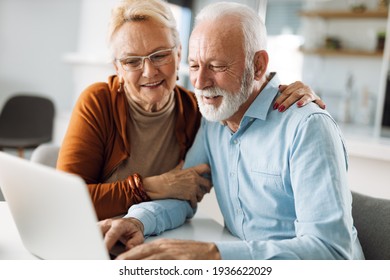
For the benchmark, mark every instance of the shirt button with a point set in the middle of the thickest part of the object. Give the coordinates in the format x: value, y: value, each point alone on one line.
x: 239, y: 211
x: 235, y: 141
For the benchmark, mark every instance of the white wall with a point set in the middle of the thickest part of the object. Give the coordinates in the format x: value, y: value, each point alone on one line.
x: 34, y: 36
x: 369, y: 166
x: 369, y: 176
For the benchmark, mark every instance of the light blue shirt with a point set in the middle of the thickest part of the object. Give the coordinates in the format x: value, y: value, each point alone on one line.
x: 280, y: 181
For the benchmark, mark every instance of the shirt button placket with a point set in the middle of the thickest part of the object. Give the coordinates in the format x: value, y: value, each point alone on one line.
x: 234, y: 187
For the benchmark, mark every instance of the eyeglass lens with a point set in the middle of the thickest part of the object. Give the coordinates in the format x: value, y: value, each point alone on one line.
x: 158, y: 58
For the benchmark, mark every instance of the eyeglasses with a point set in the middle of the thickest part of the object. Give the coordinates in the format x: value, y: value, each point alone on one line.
x: 158, y: 58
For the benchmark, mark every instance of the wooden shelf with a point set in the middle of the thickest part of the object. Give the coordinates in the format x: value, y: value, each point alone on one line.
x: 344, y: 14
x: 342, y: 52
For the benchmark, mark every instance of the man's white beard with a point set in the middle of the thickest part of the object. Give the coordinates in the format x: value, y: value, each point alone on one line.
x: 231, y: 102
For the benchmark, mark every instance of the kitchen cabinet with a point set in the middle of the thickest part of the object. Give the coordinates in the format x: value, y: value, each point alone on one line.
x: 329, y: 15
x: 345, y: 59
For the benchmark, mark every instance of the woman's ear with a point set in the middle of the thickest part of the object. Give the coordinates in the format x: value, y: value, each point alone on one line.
x: 179, y: 53
x: 121, y: 83
x: 116, y: 67
x: 178, y: 61
x: 261, y: 64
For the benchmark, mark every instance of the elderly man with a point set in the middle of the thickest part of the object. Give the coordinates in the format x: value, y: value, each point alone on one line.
x: 280, y: 179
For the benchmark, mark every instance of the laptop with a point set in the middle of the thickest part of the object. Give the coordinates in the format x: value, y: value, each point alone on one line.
x: 52, y: 210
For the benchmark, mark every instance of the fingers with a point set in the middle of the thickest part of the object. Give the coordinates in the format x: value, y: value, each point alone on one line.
x: 194, y: 201
x: 295, y: 98
x: 200, y: 194
x: 114, y: 234
x: 180, y: 165
x: 143, y: 251
x: 171, y: 249
x: 291, y: 94
x: 127, y: 230
x: 282, y: 87
x: 185, y: 184
x: 201, y: 168
x: 105, y: 225
x: 298, y: 93
x: 320, y: 103
x: 137, y: 238
x: 205, y: 184
x: 203, y: 187
x: 278, y: 105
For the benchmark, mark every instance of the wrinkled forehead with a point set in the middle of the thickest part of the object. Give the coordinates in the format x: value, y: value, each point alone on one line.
x: 141, y: 38
x: 216, y: 37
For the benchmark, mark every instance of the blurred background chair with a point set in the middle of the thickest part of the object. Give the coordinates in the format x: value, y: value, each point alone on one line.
x: 372, y: 220
x: 46, y: 154
x: 26, y: 121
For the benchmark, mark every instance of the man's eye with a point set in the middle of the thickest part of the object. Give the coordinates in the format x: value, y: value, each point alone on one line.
x: 218, y: 68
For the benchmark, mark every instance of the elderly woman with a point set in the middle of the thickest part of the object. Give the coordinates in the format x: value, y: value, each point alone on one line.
x: 127, y: 137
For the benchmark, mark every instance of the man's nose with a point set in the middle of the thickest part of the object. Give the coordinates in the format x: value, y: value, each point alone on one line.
x: 202, y: 78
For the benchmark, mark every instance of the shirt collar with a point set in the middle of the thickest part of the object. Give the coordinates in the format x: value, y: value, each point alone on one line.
x: 263, y: 102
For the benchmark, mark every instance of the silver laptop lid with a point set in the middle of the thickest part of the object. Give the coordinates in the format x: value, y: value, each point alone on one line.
x: 52, y: 210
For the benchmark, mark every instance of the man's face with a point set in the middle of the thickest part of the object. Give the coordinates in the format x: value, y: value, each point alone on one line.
x: 217, y: 69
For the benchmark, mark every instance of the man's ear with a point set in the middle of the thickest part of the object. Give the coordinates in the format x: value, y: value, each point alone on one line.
x: 260, y: 64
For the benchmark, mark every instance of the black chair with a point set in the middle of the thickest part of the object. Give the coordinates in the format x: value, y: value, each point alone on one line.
x: 372, y: 220
x: 26, y: 121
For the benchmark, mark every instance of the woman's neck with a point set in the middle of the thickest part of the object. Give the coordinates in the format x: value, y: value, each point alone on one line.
x: 149, y: 107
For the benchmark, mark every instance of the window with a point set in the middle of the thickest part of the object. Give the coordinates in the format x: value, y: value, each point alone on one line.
x: 283, y: 26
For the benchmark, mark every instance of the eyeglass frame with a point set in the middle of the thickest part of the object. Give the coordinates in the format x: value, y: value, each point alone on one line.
x: 142, y: 64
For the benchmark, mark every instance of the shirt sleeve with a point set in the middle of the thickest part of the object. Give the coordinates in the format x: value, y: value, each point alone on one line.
x: 324, y: 226
x: 161, y: 215
x: 197, y: 153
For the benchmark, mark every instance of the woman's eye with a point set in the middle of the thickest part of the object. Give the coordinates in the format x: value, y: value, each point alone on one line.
x: 159, y: 56
x: 131, y: 62
x: 194, y: 67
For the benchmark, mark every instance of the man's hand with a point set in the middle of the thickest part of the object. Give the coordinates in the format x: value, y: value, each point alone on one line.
x: 296, y: 92
x: 129, y: 231
x: 171, y: 249
x: 184, y: 184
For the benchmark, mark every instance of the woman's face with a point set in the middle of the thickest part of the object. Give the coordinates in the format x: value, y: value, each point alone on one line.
x: 151, y: 85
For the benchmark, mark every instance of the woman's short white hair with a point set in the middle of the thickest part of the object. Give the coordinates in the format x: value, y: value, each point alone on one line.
x: 254, y: 31
x: 142, y: 10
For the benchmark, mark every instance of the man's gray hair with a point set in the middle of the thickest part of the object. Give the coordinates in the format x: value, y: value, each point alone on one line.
x: 255, y: 33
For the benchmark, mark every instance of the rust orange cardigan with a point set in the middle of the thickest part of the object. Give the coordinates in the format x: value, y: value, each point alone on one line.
x: 96, y: 142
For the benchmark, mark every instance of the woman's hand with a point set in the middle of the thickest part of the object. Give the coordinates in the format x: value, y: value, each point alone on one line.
x: 185, y: 184
x: 296, y: 92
